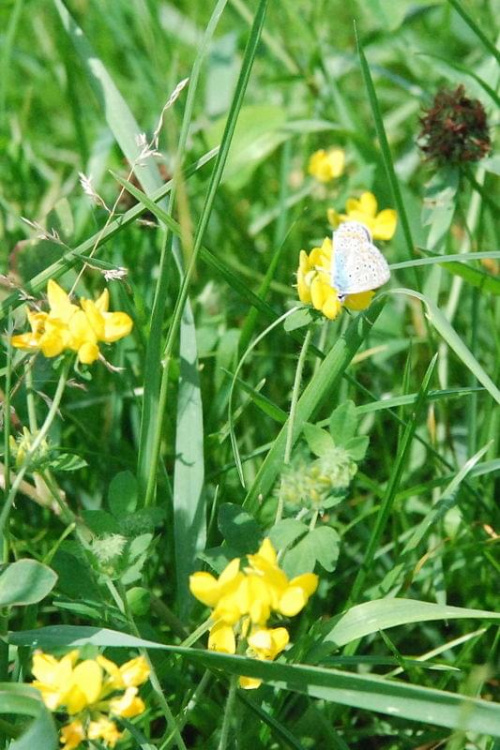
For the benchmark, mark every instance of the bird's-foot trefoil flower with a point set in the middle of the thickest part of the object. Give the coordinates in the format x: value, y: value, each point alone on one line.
x: 69, y: 327
x: 244, y: 597
x: 90, y: 692
x: 314, y: 284
x: 326, y: 166
x: 382, y: 225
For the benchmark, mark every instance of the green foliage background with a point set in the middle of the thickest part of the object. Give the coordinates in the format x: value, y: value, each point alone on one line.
x: 418, y: 522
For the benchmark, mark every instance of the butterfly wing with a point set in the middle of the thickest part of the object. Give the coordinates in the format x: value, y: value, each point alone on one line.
x: 357, y: 265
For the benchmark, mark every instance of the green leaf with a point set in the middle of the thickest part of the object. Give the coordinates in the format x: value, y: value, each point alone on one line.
x: 25, y: 582
x: 326, y: 544
x: 67, y: 462
x: 27, y: 701
x: 319, y: 441
x: 370, y: 617
x: 189, y: 498
x: 100, y: 522
x: 284, y: 533
x: 343, y: 423
x: 298, y: 319
x: 357, y: 447
x: 258, y: 133
x: 122, y: 494
x: 239, y: 529
x: 439, y: 204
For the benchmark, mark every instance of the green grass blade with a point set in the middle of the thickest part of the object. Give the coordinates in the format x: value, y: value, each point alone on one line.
x: 324, y: 380
x: 386, y: 153
x: 454, y: 341
x: 371, y: 693
x: 392, y: 486
x: 188, y: 496
x: 477, y: 31
x: 444, y: 259
x: 371, y: 617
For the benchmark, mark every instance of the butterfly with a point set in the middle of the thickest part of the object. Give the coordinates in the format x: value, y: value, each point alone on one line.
x: 357, y: 265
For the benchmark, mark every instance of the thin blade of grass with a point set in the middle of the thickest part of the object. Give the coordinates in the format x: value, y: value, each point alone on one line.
x: 371, y: 617
x: 454, y: 341
x: 386, y: 153
x: 477, y: 31
x: 392, y: 486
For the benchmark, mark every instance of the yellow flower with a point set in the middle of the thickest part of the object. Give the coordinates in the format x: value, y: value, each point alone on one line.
x: 265, y: 644
x: 244, y: 600
x: 327, y: 165
x: 105, y: 730
x: 128, y: 705
x: 72, y: 735
x: 88, y: 692
x: 132, y: 673
x: 314, y: 283
x: 67, y: 326
x: 53, y: 677
x: 381, y: 225
x: 222, y: 638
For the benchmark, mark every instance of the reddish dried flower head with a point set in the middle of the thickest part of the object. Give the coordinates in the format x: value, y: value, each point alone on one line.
x: 455, y: 128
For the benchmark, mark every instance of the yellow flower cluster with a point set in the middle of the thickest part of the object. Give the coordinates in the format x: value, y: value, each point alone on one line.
x: 243, y: 600
x: 89, y: 691
x: 325, y: 166
x: 77, y: 328
x: 314, y: 272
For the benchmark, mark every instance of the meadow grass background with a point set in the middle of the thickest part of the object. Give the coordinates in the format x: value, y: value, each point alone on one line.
x: 180, y: 451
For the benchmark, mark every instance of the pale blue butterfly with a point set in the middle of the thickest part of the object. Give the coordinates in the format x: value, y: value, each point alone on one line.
x: 357, y: 265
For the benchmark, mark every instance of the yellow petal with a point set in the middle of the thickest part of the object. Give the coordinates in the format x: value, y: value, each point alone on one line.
x: 88, y: 353
x: 385, y: 224
x: 105, y: 730
x: 368, y: 204
x: 292, y: 601
x: 102, y: 302
x: 222, y: 639
x: 59, y: 302
x: 352, y: 204
x: 331, y: 307
x: 267, y: 551
x: 320, y: 291
x: 116, y: 326
x: 26, y: 340
x: 127, y: 705
x: 52, y: 343
x: 135, y: 672
x: 72, y: 735
x: 94, y: 317
x: 205, y: 588
x: 307, y: 581
x: 359, y: 301
x: 87, y: 676
x: 249, y: 683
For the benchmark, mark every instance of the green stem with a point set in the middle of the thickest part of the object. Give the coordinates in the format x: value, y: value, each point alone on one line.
x: 119, y: 593
x: 228, y: 713
x: 4, y: 539
x: 42, y: 434
x: 293, y: 412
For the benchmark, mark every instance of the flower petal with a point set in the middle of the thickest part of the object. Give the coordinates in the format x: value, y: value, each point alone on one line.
x: 385, y: 224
